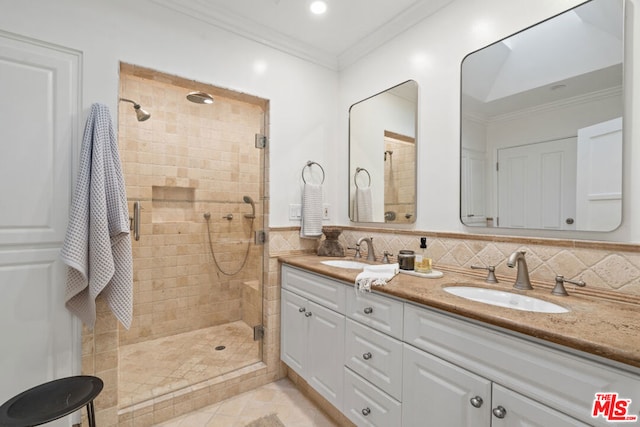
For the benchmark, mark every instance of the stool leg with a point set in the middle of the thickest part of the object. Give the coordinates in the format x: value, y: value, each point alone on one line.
x: 91, y: 416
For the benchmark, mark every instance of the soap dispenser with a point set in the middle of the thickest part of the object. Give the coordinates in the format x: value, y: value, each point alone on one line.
x: 423, y: 262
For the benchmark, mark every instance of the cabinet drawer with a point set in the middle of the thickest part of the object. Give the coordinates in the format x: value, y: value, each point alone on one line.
x: 381, y: 313
x: 375, y: 356
x: 327, y: 292
x: 366, y: 405
x: 545, y: 374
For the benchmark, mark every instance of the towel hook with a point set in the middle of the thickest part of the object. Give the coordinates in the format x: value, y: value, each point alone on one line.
x: 355, y: 176
x: 308, y: 165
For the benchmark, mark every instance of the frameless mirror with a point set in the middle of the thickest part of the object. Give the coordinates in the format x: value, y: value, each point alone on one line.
x: 382, y: 156
x: 541, y: 125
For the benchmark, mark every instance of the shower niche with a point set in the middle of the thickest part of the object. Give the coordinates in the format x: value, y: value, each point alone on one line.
x: 194, y: 169
x: 172, y: 204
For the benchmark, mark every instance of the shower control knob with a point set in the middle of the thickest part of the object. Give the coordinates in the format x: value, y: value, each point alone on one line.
x: 368, y: 310
x: 308, y: 314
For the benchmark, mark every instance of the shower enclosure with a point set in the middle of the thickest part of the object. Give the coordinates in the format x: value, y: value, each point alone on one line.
x: 197, y: 179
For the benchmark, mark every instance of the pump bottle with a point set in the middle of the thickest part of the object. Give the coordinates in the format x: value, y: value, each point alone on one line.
x: 423, y: 263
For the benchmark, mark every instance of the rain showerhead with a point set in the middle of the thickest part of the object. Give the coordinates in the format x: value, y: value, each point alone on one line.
x: 200, y: 97
x: 248, y: 199
x: 141, y: 114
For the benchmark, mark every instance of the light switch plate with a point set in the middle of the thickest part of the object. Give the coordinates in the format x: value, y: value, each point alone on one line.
x: 295, y: 212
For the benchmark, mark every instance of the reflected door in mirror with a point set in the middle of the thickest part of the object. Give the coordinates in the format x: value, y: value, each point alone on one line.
x: 522, y: 99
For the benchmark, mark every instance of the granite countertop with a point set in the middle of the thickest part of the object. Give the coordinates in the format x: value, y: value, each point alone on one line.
x: 597, y: 325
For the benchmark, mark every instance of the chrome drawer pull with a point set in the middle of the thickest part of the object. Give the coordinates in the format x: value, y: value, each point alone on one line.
x: 368, y: 310
x: 366, y: 356
x: 302, y: 309
x: 366, y: 411
x: 308, y: 314
x: 499, y: 412
x: 476, y: 402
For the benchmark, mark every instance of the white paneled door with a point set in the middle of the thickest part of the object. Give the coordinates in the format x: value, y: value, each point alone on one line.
x: 537, y: 185
x: 599, y: 176
x: 39, y: 132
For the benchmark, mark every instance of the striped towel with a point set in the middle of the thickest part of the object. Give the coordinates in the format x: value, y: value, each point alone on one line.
x: 97, y: 247
x: 311, y: 211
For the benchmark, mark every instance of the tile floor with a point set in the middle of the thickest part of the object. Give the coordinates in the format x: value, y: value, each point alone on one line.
x: 280, y: 397
x: 153, y: 368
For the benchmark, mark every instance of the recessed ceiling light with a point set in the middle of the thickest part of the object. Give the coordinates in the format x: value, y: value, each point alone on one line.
x: 318, y: 7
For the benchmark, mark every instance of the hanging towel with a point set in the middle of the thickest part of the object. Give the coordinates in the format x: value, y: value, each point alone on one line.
x: 363, y: 205
x: 97, y: 247
x: 311, y: 226
x: 375, y: 275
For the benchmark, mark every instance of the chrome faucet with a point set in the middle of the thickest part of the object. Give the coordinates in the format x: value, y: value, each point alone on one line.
x: 371, y: 254
x: 516, y: 259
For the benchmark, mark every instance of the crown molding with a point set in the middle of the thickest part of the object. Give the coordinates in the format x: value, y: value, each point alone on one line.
x: 257, y: 32
x: 251, y: 30
x: 391, y: 29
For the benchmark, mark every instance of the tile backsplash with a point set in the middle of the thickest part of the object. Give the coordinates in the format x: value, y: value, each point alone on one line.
x: 603, y: 266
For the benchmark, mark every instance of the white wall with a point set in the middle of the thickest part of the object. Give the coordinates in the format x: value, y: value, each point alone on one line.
x: 431, y: 53
x: 302, y: 95
x: 306, y: 121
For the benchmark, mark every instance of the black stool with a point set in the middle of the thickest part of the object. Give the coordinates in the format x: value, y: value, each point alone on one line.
x: 50, y: 401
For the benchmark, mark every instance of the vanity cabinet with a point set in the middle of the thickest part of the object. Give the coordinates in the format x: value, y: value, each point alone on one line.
x: 313, y: 335
x: 537, y: 378
x: 445, y: 394
x: 373, y: 355
x: 386, y: 362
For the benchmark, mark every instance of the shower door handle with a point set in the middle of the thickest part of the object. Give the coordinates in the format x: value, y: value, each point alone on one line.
x: 136, y: 220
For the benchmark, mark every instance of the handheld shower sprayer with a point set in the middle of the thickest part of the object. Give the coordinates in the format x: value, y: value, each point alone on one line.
x: 248, y: 199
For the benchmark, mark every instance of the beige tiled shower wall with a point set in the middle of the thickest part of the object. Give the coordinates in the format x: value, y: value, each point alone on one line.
x: 187, y: 160
x: 603, y: 266
x: 400, y: 180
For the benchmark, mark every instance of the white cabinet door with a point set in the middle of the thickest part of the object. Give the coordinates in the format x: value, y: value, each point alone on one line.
x: 293, y: 346
x: 368, y: 406
x: 374, y: 356
x: 325, y: 352
x: 437, y: 393
x: 511, y: 409
x: 312, y: 344
x: 39, y: 113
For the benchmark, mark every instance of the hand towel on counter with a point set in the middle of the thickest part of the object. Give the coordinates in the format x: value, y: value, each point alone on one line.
x: 311, y: 224
x: 363, y: 209
x: 97, y: 247
x: 375, y: 275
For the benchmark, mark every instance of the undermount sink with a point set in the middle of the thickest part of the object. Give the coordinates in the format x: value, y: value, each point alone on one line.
x: 505, y: 299
x: 341, y: 263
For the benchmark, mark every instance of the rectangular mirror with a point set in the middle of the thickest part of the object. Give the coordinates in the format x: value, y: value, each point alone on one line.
x: 382, y: 156
x: 541, y: 125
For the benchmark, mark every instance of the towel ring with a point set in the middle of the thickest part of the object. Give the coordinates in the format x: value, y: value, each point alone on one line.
x: 308, y: 165
x: 355, y: 176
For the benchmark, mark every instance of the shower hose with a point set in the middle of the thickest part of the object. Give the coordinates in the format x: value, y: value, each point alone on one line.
x: 213, y: 255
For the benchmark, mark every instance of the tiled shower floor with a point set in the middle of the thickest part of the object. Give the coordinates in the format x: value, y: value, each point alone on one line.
x: 156, y: 367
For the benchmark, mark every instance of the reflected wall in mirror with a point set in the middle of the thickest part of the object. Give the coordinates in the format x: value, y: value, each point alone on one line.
x: 541, y: 125
x: 382, y: 156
